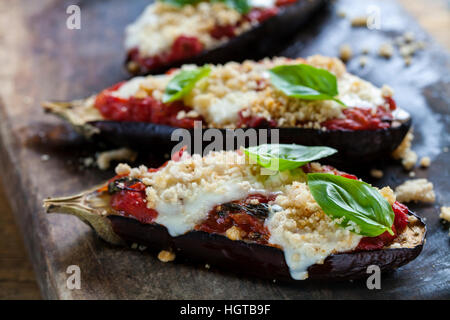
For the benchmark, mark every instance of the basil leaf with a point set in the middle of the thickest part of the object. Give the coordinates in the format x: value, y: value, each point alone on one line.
x: 280, y: 157
x: 180, y: 3
x: 183, y: 82
x: 352, y: 200
x: 303, y: 81
x: 241, y: 6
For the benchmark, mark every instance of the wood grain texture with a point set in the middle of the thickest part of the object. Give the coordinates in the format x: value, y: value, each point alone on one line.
x: 52, y: 62
x: 17, y: 280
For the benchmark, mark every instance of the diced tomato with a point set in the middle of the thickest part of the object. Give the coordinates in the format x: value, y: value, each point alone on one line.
x: 401, y: 216
x: 177, y: 155
x: 145, y: 109
x: 261, y: 14
x: 361, y: 119
x: 133, y: 203
x: 261, y: 198
x: 400, y: 223
x: 375, y: 243
x: 392, y: 104
x: 219, y: 220
x: 219, y: 32
x: 215, y: 224
x: 146, y: 63
x: 325, y: 169
x: 348, y: 176
x: 185, y: 47
x: 281, y: 3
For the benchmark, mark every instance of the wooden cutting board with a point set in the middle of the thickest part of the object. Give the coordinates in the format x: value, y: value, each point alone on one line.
x: 41, y: 157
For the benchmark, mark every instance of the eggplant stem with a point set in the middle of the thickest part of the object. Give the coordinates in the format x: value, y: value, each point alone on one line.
x: 78, y: 113
x: 88, y: 207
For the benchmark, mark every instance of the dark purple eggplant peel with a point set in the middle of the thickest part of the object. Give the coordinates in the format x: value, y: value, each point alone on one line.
x: 260, y: 41
x: 359, y: 145
x: 243, y: 257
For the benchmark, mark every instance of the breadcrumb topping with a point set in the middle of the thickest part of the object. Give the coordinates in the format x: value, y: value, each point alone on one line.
x: 245, y: 88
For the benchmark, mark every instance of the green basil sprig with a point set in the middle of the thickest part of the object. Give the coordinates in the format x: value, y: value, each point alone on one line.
x: 303, y: 81
x: 241, y: 6
x: 180, y: 3
x: 352, y: 200
x: 183, y: 82
x: 280, y: 157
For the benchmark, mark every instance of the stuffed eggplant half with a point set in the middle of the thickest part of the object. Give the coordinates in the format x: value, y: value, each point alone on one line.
x: 169, y: 33
x: 312, y: 101
x: 266, y: 211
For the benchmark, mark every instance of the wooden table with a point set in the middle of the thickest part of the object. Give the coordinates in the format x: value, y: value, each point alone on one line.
x: 18, y: 75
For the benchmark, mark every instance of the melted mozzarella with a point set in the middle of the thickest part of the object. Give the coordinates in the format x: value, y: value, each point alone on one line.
x: 355, y: 92
x: 129, y: 88
x: 263, y: 3
x: 226, y: 109
x: 139, y: 34
x: 181, y: 218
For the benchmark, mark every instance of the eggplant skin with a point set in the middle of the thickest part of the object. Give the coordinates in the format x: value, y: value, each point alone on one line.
x: 257, y: 260
x: 361, y: 145
x: 264, y: 39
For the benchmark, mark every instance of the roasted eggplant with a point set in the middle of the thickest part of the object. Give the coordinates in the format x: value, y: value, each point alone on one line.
x: 211, y: 32
x: 241, y: 96
x: 245, y: 231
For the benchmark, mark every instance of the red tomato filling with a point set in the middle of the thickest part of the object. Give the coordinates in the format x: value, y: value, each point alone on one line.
x: 355, y: 119
x: 261, y: 14
x: 145, y: 109
x: 219, y: 32
x: 133, y: 203
x: 184, y: 47
x: 236, y: 213
x: 254, y: 122
x: 362, y: 119
x: 400, y: 223
x: 307, y: 168
x: 281, y: 3
x: 249, y: 218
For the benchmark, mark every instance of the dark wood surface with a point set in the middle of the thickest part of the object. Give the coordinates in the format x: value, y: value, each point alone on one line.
x: 51, y: 62
x: 17, y: 279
